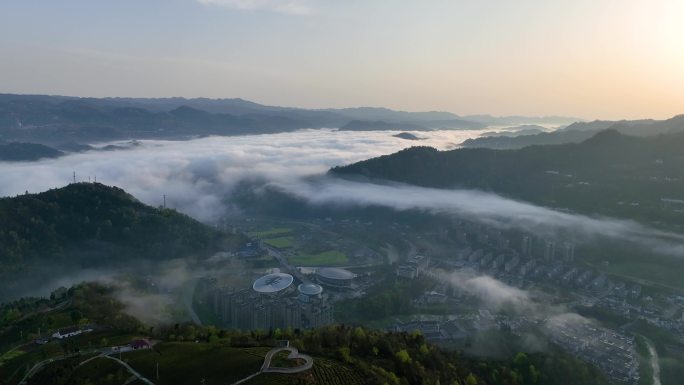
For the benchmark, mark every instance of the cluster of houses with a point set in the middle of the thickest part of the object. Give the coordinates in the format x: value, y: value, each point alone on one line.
x: 414, y: 267
x: 535, y: 261
x: 612, y: 352
x: 73, y: 331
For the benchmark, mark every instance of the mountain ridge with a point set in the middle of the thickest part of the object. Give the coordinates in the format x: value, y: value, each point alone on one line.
x: 610, y: 174
x: 580, y: 131
x: 54, y: 119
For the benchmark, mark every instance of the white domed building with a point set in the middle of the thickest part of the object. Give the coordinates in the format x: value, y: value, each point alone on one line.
x: 309, y: 292
x: 335, y: 278
x: 273, y: 284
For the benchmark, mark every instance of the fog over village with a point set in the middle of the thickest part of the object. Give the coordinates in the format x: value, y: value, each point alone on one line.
x: 313, y: 192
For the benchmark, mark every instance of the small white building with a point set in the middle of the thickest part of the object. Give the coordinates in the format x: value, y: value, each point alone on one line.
x: 70, y: 332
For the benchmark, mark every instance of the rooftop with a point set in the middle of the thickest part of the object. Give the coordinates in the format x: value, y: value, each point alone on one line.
x: 272, y: 283
x: 310, y: 289
x: 335, y: 273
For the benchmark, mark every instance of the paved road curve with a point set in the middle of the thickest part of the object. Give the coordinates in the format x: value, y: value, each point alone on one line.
x: 131, y: 370
x: 294, y: 354
x: 266, y: 366
x: 275, y: 253
x: 101, y: 353
x: 40, y: 365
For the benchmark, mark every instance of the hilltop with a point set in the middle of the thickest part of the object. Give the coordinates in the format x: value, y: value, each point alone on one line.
x: 91, y: 225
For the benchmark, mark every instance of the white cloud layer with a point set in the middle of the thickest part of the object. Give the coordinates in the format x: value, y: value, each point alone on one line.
x: 291, y: 7
x: 492, y: 292
x: 198, y: 175
x: 481, y: 207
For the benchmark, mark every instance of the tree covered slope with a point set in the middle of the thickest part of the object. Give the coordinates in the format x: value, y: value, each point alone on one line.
x: 610, y: 173
x: 185, y: 353
x: 93, y: 223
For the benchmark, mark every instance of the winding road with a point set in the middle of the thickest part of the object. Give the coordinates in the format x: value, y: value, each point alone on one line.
x: 109, y: 351
x: 103, y: 353
x: 655, y: 364
x: 266, y: 366
x: 275, y: 253
x: 131, y: 370
x: 294, y: 354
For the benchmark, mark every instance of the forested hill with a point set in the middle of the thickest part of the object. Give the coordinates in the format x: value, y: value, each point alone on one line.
x: 610, y: 173
x: 90, y: 223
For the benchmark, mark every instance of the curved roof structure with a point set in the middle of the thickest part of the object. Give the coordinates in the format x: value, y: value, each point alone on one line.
x: 272, y: 283
x: 310, y: 289
x: 335, y: 273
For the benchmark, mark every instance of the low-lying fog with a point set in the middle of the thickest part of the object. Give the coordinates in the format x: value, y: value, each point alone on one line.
x: 198, y: 175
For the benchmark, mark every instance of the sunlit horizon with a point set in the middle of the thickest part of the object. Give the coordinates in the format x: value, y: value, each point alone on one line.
x: 590, y: 60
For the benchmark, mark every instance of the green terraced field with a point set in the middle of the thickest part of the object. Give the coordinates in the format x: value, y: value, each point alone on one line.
x: 324, y: 372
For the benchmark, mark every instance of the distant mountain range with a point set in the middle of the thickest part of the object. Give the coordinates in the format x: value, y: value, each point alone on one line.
x: 55, y: 120
x: 526, y: 129
x: 516, y: 120
x: 578, y: 132
x: 17, y: 151
x: 379, y: 125
x: 611, y: 174
x: 21, y: 151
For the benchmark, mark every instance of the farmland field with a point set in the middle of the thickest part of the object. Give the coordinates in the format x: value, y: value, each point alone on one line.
x: 280, y: 242
x: 276, y: 231
x: 332, y: 257
x: 328, y: 372
x: 324, y: 372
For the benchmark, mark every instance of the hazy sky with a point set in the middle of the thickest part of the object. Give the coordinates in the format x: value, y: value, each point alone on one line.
x: 586, y: 58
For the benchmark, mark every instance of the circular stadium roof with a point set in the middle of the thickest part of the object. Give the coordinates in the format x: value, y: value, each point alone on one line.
x: 335, y: 273
x: 310, y: 289
x: 272, y: 283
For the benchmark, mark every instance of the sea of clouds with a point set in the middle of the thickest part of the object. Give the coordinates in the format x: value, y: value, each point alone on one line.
x: 197, y: 176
